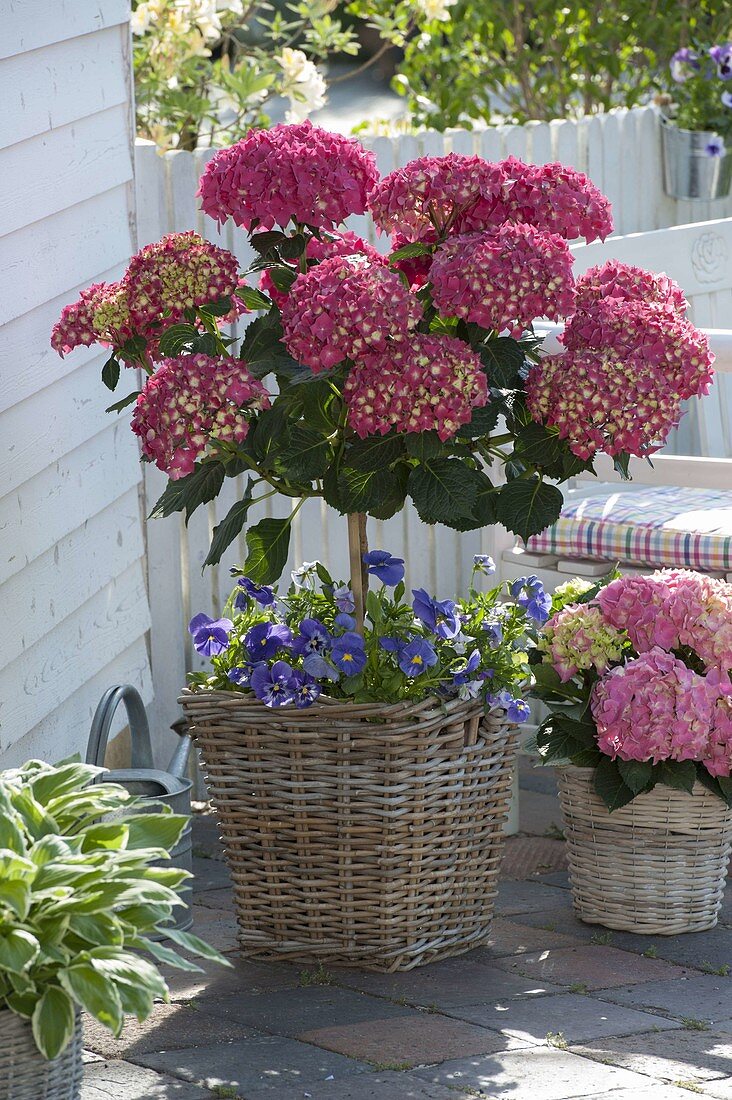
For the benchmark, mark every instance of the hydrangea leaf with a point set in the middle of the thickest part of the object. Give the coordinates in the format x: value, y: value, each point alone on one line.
x: 637, y: 774
x: 268, y: 543
x: 374, y: 453
x: 610, y: 785
x: 226, y: 531
x: 527, y: 506
x: 441, y: 491
x: 187, y: 493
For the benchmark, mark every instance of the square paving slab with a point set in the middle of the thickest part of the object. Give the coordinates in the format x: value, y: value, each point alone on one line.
x: 592, y: 966
x: 699, y: 997
x: 679, y: 1055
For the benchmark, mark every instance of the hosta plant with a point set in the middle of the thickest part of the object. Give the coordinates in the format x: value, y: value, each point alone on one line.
x: 80, y: 899
x: 636, y: 675
x: 370, y: 378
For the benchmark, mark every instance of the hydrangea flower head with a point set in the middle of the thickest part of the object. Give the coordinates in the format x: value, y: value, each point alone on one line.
x: 504, y: 277
x: 603, y: 400
x: 428, y: 383
x: 653, y: 708
x: 428, y: 193
x: 553, y: 198
x: 177, y: 273
x: 627, y: 283
x: 344, y: 308
x: 718, y: 755
x: 578, y: 638
x: 190, y: 401
x: 100, y: 315
x: 297, y: 173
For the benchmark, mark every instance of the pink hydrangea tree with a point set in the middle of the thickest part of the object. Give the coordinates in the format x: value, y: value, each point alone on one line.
x: 370, y: 378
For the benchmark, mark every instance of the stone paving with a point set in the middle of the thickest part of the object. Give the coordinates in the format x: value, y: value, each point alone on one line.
x: 550, y: 1009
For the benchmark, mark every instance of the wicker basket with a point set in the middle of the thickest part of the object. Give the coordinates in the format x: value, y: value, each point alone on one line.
x: 656, y: 866
x: 358, y: 834
x: 24, y: 1072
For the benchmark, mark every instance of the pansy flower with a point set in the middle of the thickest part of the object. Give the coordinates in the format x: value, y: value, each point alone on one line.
x: 343, y: 598
x: 272, y: 685
x: 416, y: 657
x: 348, y: 653
x: 386, y: 568
x: 304, y: 577
x: 440, y: 616
x: 264, y: 639
x: 304, y: 688
x: 210, y: 636
x: 530, y: 595
x: 484, y: 563
x: 262, y: 593
x: 494, y: 630
x: 344, y: 621
x: 313, y: 638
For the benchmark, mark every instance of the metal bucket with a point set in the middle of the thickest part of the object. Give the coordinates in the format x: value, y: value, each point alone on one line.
x: 152, y: 785
x: 689, y: 172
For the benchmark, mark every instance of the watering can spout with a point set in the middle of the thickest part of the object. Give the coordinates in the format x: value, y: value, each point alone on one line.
x: 178, y: 765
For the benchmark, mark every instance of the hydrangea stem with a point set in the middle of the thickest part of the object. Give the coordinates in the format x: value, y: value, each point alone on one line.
x: 357, y: 547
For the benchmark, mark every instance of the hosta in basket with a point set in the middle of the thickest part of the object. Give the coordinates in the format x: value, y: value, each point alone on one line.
x: 362, y: 781
x: 636, y: 675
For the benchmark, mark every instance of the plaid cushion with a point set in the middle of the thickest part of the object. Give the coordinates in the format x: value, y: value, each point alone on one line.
x: 651, y: 526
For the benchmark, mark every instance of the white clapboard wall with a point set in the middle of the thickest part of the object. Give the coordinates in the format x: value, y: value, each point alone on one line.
x: 72, y: 570
x: 620, y: 152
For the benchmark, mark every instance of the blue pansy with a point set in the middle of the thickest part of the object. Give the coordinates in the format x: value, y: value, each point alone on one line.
x: 484, y: 563
x: 348, y: 653
x: 241, y: 675
x: 416, y: 656
x: 318, y: 667
x: 440, y: 616
x: 516, y: 709
x: 529, y: 593
x: 391, y: 645
x: 272, y: 685
x: 262, y: 593
x: 494, y: 630
x: 264, y: 639
x: 314, y: 637
x: 305, y: 690
x: 389, y: 570
x: 210, y: 636
x: 344, y: 621
x: 343, y: 598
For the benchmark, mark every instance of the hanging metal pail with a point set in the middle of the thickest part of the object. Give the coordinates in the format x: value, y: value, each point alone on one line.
x: 689, y: 172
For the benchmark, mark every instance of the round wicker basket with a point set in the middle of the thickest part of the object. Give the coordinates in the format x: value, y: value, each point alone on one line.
x: 24, y: 1072
x: 358, y: 834
x: 655, y: 866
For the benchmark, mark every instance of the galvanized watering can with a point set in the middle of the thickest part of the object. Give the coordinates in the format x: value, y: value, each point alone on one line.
x: 143, y: 779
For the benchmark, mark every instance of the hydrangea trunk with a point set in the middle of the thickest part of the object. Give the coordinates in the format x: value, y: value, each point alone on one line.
x: 357, y: 548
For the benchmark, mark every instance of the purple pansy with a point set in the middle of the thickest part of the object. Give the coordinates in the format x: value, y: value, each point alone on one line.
x: 416, y: 656
x: 683, y: 63
x: 210, y: 636
x: 313, y: 638
x: 262, y: 593
x: 348, y: 653
x: 343, y: 598
x: 727, y: 99
x: 516, y: 709
x: 391, y: 645
x: 715, y: 147
x: 241, y: 675
x: 305, y: 690
x: 484, y: 563
x: 264, y: 639
x: 440, y: 616
x: 530, y: 595
x: 389, y: 570
x: 345, y: 622
x: 722, y: 58
x: 272, y: 685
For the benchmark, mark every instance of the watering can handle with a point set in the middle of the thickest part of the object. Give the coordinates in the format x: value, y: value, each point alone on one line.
x: 142, y: 756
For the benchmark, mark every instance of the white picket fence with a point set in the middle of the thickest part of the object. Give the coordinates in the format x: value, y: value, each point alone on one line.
x: 620, y: 152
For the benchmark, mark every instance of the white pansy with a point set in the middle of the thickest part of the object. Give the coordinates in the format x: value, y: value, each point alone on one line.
x: 303, y: 85
x: 435, y: 10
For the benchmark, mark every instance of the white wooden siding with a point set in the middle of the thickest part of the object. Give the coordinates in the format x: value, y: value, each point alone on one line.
x: 72, y: 565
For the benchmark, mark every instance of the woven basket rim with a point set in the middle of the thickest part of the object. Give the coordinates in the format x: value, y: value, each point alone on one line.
x: 326, y: 702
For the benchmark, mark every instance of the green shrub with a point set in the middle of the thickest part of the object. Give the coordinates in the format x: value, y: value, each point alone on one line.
x: 79, y: 900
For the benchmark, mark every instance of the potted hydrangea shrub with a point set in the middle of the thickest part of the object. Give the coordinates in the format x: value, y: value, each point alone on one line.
x: 696, y: 123
x: 360, y: 785
x: 636, y: 675
x: 81, y: 900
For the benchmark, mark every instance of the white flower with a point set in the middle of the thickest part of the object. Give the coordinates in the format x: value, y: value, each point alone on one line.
x: 435, y: 10
x: 303, y: 85
x: 304, y: 577
x: 140, y: 19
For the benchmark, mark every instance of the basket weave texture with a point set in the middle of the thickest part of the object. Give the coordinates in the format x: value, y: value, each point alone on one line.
x: 655, y: 866
x: 362, y: 834
x: 24, y: 1072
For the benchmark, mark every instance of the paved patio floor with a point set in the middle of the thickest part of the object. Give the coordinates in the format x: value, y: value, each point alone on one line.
x: 551, y: 1009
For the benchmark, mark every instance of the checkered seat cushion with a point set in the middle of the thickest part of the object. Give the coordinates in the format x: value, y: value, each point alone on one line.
x: 689, y: 528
